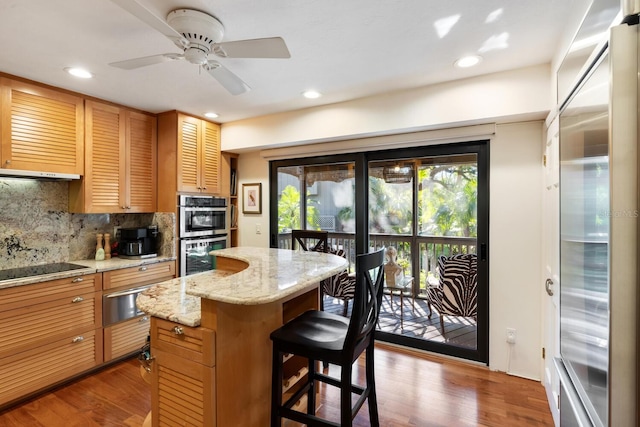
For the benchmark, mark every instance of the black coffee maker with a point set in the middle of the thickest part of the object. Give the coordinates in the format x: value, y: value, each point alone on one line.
x: 139, y: 242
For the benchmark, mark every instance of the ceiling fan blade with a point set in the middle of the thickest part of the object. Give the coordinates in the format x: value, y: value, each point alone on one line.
x: 131, y: 64
x: 272, y: 47
x: 145, y: 15
x: 226, y: 78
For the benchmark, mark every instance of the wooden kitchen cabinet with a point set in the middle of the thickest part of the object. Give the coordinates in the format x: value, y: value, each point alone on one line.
x: 141, y: 275
x: 189, y: 155
x: 127, y: 337
x: 183, y: 375
x: 50, y: 332
x: 120, y: 160
x: 41, y: 129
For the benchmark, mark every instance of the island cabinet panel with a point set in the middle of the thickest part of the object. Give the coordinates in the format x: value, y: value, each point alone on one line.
x: 125, y: 337
x: 139, y: 276
x: 183, y: 392
x: 120, y: 159
x: 41, y: 129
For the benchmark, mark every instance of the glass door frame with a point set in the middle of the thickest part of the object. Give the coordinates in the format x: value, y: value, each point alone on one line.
x: 361, y: 162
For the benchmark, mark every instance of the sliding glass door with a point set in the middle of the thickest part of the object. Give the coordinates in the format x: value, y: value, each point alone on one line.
x: 427, y: 206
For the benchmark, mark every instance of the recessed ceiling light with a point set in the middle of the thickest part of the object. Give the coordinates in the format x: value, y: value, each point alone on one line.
x: 311, y: 94
x: 468, y: 61
x: 211, y: 115
x: 79, y: 72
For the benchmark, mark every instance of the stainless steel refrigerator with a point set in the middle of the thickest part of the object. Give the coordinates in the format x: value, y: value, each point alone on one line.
x: 599, y: 298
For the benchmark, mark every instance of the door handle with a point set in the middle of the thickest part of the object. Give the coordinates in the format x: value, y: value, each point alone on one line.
x: 547, y: 286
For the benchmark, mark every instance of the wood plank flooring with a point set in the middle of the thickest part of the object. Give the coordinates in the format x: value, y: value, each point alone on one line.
x: 414, y: 389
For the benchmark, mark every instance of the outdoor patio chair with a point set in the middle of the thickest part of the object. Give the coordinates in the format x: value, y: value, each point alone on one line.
x: 456, y: 292
x: 340, y: 286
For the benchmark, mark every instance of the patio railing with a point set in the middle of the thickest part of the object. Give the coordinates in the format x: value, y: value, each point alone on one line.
x: 421, y: 262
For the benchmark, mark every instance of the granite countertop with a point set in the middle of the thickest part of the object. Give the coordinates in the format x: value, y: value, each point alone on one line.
x: 92, y: 266
x: 272, y: 274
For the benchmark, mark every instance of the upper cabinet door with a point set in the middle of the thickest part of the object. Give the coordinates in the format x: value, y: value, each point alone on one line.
x: 142, y: 153
x: 41, y: 129
x: 211, y: 162
x: 103, y: 184
x: 189, y: 135
x: 120, y: 161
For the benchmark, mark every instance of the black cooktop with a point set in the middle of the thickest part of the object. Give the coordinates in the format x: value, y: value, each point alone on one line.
x: 38, y: 270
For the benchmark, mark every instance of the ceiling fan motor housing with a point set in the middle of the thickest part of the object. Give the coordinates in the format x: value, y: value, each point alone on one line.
x: 200, y: 29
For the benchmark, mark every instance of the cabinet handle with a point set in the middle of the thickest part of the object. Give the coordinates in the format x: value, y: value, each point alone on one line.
x: 143, y: 268
x: 77, y: 299
x: 77, y: 339
x: 178, y: 330
x: 143, y: 319
x: 8, y: 162
x: 77, y: 280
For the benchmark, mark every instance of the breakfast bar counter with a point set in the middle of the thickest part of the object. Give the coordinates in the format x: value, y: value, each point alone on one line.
x: 210, y: 333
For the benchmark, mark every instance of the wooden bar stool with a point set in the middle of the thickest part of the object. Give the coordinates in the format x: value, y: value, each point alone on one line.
x: 321, y: 336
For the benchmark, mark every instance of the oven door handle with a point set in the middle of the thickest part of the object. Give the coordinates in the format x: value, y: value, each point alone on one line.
x: 128, y: 292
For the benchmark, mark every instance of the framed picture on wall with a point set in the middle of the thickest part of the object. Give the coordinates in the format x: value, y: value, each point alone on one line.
x: 252, y: 198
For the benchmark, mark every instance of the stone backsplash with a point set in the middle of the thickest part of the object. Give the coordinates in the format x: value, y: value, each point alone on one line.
x: 36, y: 227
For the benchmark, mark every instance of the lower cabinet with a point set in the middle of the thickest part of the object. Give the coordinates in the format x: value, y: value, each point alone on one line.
x: 125, y: 337
x: 50, y: 331
x: 31, y: 370
x: 53, y: 331
x: 184, y: 375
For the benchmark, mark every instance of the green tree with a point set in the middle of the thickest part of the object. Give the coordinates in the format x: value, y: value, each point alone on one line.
x: 289, y: 210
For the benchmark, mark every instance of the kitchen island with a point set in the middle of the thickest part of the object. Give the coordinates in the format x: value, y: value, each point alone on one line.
x: 210, y: 334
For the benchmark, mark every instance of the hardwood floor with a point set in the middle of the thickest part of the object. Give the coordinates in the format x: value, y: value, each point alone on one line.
x: 414, y: 389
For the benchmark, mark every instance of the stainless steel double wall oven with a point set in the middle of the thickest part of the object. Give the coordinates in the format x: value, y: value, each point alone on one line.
x: 203, y: 227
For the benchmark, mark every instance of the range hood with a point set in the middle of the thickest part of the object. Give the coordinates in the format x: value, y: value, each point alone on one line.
x: 53, y: 176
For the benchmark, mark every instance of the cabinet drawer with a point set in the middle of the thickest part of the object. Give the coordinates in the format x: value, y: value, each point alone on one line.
x: 125, y: 337
x: 139, y: 276
x: 29, y: 295
x: 29, y: 371
x: 197, y: 344
x: 31, y: 326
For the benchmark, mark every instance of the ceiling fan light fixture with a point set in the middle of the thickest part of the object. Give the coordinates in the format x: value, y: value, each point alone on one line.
x: 468, y: 61
x: 311, y: 94
x: 79, y: 72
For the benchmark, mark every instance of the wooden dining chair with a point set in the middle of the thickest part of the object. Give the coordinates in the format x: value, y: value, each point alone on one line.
x: 321, y: 336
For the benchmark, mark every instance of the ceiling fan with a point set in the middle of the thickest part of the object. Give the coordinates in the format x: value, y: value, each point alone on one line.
x: 199, y: 34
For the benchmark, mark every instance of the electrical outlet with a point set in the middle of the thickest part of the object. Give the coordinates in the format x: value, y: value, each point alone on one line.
x: 511, y: 335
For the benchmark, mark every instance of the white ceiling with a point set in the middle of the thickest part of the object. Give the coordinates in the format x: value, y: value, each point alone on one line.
x: 345, y: 49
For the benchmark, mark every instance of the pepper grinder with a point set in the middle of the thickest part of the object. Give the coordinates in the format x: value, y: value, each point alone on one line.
x: 107, y: 246
x: 99, y: 249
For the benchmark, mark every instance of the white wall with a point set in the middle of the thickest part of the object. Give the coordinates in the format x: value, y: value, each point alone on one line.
x: 511, y: 95
x: 252, y: 168
x: 515, y: 229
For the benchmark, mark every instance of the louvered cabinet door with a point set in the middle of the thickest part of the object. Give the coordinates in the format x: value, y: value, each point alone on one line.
x: 104, y: 181
x: 141, y: 141
x: 188, y: 166
x: 211, y: 162
x: 38, y: 368
x: 125, y: 337
x: 41, y: 129
x: 183, y: 392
